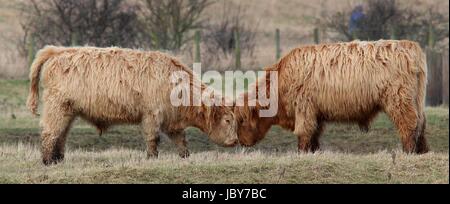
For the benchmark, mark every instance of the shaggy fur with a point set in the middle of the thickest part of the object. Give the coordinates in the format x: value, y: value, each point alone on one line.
x: 345, y: 82
x: 108, y: 86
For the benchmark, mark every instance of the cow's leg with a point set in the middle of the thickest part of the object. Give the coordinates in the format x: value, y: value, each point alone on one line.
x: 61, y: 142
x: 179, y: 138
x: 150, y: 126
x: 364, y: 124
x: 315, y: 143
x: 306, y: 125
x: 421, y: 144
x: 403, y: 114
x: 56, y: 121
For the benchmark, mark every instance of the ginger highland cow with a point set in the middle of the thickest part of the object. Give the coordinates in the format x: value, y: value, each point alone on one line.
x: 344, y: 82
x: 108, y: 86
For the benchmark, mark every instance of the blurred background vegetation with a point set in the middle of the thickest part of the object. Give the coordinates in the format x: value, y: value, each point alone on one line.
x: 222, y: 34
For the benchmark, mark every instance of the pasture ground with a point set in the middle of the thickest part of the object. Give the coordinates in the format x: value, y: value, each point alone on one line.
x: 118, y: 156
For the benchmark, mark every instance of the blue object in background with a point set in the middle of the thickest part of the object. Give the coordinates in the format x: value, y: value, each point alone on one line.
x: 356, y: 16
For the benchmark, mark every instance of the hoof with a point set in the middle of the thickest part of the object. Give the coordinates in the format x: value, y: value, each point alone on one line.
x: 152, y: 155
x: 48, y: 162
x: 422, y: 145
x: 364, y: 128
x: 314, y: 149
x: 58, y: 157
x: 184, y: 154
x: 55, y: 159
x: 303, y: 151
x: 422, y: 149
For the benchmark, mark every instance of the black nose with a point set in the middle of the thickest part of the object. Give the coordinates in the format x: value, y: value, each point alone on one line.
x: 235, y: 142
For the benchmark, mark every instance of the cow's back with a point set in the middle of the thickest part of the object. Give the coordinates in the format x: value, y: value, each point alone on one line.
x: 347, y: 81
x: 111, y: 84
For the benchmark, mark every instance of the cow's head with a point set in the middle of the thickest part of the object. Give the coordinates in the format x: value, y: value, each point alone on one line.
x: 222, y: 125
x: 251, y: 127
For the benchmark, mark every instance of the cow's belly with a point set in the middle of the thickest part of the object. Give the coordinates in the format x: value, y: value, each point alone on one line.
x: 347, y: 104
x: 107, y: 107
x: 109, y: 112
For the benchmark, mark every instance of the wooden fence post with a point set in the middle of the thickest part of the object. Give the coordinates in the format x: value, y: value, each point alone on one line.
x: 197, y: 47
x: 434, y: 87
x: 154, y: 40
x: 237, y: 49
x: 277, y: 44
x: 316, y: 36
x: 431, y: 40
x: 445, y: 73
x: 74, y: 40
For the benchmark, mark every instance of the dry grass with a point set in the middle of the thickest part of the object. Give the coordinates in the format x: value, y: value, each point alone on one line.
x: 118, y: 156
x: 21, y: 164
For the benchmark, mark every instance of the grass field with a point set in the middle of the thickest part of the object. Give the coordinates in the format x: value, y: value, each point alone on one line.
x: 21, y: 164
x: 347, y: 155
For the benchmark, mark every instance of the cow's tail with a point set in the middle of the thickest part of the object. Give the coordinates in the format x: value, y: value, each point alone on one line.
x: 421, y: 87
x: 41, y: 57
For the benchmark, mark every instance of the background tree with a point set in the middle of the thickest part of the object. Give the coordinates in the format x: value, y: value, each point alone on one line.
x: 221, y: 34
x: 93, y: 22
x: 219, y: 43
x: 385, y: 19
x: 169, y: 22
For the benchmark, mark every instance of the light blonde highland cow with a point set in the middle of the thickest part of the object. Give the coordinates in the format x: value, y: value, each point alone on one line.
x: 345, y: 82
x: 108, y: 86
